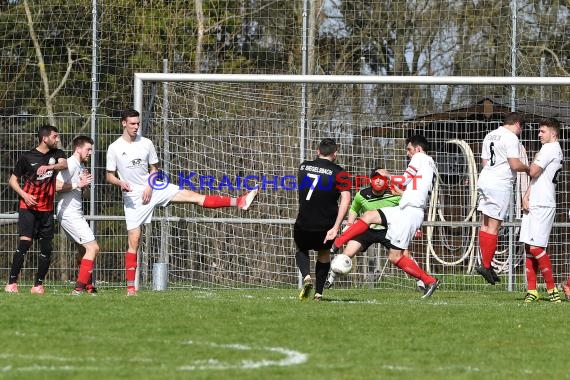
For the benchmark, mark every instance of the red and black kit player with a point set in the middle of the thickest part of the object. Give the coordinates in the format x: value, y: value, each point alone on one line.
x: 33, y: 178
x: 320, y: 183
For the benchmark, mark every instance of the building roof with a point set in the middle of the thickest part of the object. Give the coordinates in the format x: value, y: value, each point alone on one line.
x: 495, y: 108
x: 487, y: 109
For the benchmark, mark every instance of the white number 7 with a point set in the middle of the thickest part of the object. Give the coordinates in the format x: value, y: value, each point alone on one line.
x: 315, y: 178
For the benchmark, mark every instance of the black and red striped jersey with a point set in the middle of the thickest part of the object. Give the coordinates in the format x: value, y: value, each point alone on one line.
x: 42, y: 187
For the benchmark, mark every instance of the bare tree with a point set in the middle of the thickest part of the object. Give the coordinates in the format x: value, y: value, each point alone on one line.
x: 48, y: 94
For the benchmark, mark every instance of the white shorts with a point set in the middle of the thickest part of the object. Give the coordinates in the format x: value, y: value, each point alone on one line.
x: 536, y: 226
x: 76, y: 227
x: 494, y: 203
x: 136, y: 213
x: 402, y: 224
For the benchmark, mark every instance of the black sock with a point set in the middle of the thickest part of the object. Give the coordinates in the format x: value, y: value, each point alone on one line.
x: 303, y: 263
x: 18, y: 260
x: 44, y: 261
x: 321, y: 272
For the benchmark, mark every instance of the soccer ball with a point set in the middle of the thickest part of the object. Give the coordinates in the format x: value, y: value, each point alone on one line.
x: 341, y: 264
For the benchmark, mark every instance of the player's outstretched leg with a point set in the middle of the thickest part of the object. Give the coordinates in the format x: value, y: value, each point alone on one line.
x: 246, y: 200
x: 217, y: 201
x: 409, y: 266
x: 359, y: 227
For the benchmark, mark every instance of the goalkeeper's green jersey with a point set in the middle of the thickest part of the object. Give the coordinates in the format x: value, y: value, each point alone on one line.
x: 366, y: 200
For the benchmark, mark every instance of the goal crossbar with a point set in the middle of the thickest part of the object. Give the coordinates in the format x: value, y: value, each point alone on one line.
x: 140, y: 78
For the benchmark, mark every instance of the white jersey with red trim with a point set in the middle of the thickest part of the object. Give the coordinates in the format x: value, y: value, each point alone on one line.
x: 70, y: 201
x: 498, y: 146
x: 420, y: 177
x: 542, y: 188
x: 131, y: 161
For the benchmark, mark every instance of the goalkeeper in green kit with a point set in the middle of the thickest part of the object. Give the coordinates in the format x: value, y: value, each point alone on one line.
x: 380, y: 194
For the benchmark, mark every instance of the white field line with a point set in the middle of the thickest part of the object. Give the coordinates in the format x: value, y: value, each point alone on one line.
x: 291, y: 357
x: 97, y: 364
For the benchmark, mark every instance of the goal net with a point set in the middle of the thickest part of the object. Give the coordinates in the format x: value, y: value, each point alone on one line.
x: 220, y: 134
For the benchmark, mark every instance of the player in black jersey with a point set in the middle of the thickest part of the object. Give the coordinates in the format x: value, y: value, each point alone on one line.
x: 320, y: 214
x: 33, y: 178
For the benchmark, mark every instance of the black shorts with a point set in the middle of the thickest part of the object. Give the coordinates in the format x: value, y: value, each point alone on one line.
x: 35, y: 224
x: 372, y: 236
x: 311, y: 240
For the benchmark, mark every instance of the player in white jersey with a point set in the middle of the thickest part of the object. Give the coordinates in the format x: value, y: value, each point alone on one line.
x: 539, y: 207
x: 70, y: 184
x: 132, y: 165
x: 402, y: 221
x: 501, y: 160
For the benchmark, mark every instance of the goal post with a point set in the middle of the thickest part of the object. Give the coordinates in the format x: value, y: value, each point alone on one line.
x: 217, y: 131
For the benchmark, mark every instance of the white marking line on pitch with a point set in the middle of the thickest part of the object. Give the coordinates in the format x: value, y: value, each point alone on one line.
x: 94, y: 364
x: 291, y: 358
x: 44, y: 368
x: 75, y: 363
x: 398, y: 368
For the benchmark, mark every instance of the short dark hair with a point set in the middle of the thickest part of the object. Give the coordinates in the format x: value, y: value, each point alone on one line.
x: 327, y: 147
x: 418, y: 140
x: 373, y: 172
x: 45, y: 130
x: 513, y: 118
x: 129, y: 112
x: 81, y: 140
x: 551, y: 123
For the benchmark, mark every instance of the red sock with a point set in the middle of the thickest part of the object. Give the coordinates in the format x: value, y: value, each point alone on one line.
x: 531, y: 268
x: 488, y: 246
x: 130, y: 268
x: 544, y: 265
x: 410, y: 267
x: 216, y: 201
x: 85, y: 270
x: 356, y: 229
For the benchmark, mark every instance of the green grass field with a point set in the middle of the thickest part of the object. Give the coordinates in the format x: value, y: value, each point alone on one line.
x: 270, y: 334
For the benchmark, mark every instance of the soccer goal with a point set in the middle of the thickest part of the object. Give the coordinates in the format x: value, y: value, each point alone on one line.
x: 219, y: 134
